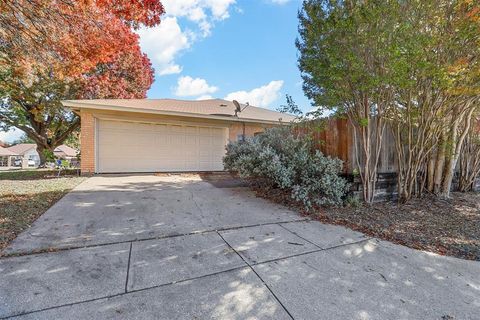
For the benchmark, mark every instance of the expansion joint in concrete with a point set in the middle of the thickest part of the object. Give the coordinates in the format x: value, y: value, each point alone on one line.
x: 259, y: 277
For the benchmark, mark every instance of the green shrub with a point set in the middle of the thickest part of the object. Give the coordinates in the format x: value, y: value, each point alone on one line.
x: 287, y: 161
x: 353, y: 201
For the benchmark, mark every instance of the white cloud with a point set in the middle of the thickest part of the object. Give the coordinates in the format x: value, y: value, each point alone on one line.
x: 163, y: 43
x: 280, y: 2
x: 202, y: 12
x: 188, y: 86
x: 260, y: 97
x: 11, y: 135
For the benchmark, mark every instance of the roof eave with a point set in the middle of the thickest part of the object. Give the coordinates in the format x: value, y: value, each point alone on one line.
x: 23, y: 151
x: 79, y: 105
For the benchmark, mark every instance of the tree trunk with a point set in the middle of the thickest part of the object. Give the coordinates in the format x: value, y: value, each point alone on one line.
x: 469, y: 169
x: 459, y: 132
x: 431, y: 171
x: 439, y: 168
x: 41, y: 153
x: 446, y: 185
x: 368, y: 143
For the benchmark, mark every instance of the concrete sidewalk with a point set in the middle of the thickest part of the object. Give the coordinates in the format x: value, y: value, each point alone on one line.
x: 217, y: 261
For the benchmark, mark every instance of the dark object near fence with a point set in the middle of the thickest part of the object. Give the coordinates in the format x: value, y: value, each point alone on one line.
x: 335, y: 138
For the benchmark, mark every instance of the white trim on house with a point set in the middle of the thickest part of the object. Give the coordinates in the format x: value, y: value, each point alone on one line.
x: 95, y: 143
x: 83, y: 105
x: 157, y: 121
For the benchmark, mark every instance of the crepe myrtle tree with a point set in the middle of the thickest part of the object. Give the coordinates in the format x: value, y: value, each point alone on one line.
x: 343, y: 48
x: 469, y: 162
x: 436, y: 91
x: 411, y: 65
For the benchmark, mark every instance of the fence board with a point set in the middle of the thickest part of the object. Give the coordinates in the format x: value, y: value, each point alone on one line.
x: 335, y: 137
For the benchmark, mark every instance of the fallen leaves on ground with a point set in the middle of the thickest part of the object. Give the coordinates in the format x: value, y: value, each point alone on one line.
x: 23, y: 201
x: 447, y: 227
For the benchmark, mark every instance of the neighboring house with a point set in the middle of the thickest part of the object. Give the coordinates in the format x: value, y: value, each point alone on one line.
x: 7, y: 158
x: 27, y: 155
x: 65, y: 152
x: 146, y: 135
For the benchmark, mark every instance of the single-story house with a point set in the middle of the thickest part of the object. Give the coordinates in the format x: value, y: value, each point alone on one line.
x: 164, y: 135
x: 27, y: 155
x: 65, y: 152
x: 7, y: 158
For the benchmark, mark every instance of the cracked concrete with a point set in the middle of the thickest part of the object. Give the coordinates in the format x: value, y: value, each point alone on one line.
x: 180, y: 248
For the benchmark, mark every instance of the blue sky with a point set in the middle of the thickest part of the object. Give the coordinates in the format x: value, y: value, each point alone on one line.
x: 234, y: 49
x: 237, y: 49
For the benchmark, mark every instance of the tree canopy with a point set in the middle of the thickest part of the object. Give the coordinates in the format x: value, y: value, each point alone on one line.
x: 55, y: 50
x: 411, y: 66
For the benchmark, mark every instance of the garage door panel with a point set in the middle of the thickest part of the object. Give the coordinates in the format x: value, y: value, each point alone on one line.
x: 143, y: 147
x: 191, y: 130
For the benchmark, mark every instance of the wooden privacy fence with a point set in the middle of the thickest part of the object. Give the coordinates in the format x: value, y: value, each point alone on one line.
x: 335, y: 137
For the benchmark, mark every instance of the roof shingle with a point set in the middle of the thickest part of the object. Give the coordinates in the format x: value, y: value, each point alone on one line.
x: 68, y: 151
x: 6, y: 152
x: 211, y: 107
x: 21, y: 148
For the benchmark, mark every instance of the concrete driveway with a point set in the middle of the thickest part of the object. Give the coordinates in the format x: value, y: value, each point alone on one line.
x: 176, y: 247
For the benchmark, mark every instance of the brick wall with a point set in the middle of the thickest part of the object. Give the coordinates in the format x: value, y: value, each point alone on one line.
x: 88, y: 137
x: 87, y: 164
x: 250, y: 130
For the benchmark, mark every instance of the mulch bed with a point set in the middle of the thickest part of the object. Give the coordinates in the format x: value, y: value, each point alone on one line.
x: 447, y: 227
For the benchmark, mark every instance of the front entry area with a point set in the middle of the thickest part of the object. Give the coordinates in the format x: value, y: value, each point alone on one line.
x: 151, y: 147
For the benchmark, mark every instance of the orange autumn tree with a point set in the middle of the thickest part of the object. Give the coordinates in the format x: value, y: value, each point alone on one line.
x: 73, y: 35
x: 69, y: 49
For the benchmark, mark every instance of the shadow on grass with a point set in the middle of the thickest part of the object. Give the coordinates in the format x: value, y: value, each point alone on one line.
x: 19, y: 211
x: 35, y: 174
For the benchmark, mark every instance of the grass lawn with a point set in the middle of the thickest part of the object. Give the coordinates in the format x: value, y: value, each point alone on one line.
x: 25, y: 195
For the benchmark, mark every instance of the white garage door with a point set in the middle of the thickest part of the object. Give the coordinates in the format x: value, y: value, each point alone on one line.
x: 142, y: 147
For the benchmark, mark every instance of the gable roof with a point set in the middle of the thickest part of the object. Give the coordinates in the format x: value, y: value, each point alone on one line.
x: 213, y: 109
x: 21, y: 148
x: 68, y: 151
x: 6, y: 152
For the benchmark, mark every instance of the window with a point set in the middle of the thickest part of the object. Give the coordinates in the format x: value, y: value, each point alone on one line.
x: 3, y: 161
x: 240, y: 137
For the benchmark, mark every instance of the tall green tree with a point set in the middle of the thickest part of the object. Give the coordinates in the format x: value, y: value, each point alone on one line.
x: 344, y: 47
x: 412, y: 65
x: 437, y: 92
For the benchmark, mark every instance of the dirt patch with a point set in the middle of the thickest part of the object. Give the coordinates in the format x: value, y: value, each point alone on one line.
x: 447, y: 227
